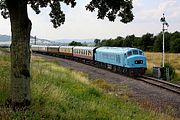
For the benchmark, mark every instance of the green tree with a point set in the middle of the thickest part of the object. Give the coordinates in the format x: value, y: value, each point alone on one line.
x: 103, y: 42
x: 129, y: 40
x: 158, y: 40
x: 175, y: 45
x: 21, y: 28
x: 174, y: 42
x: 97, y: 42
x: 109, y: 42
x: 158, y: 43
x: 119, y: 41
x: 74, y: 43
x: 167, y: 39
x: 175, y: 35
x: 137, y: 42
x: 147, y: 41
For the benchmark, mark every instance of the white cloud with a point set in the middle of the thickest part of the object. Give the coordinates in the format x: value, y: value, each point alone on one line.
x: 5, y: 26
x: 169, y: 7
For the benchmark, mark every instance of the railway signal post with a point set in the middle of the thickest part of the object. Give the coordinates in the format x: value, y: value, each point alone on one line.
x: 164, y: 72
x: 163, y: 20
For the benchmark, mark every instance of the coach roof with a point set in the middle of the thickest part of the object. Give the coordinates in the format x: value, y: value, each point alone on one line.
x: 84, y: 48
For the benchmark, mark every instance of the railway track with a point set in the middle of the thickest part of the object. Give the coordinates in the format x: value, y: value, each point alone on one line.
x: 160, y: 83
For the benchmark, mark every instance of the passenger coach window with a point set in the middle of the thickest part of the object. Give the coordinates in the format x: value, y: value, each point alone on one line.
x: 135, y: 52
x: 89, y: 52
x: 129, y: 53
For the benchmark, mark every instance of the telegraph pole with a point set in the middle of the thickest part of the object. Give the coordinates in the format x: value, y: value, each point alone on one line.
x: 163, y: 20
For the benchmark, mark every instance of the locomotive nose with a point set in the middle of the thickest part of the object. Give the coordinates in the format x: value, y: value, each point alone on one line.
x: 136, y: 61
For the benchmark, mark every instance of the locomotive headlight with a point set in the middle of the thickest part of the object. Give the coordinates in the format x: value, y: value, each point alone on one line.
x: 138, y: 62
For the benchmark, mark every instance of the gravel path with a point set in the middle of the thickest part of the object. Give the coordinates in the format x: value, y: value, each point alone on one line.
x: 146, y: 95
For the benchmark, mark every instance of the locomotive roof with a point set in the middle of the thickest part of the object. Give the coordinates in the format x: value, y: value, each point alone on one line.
x: 115, y: 49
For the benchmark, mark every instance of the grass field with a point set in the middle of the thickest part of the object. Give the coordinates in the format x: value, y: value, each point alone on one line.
x: 155, y: 59
x: 60, y: 93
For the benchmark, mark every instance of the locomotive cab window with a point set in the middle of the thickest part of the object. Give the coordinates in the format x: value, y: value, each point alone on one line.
x: 135, y: 52
x: 129, y: 53
x: 141, y: 53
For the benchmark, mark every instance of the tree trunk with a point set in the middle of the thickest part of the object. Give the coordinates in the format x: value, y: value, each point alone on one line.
x: 20, y: 53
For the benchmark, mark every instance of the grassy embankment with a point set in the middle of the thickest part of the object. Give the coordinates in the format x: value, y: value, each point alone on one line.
x: 60, y: 93
x: 155, y: 59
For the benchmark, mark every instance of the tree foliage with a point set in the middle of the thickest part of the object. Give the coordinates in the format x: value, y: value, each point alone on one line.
x: 129, y: 40
x: 112, y: 9
x: 74, y: 43
x: 158, y: 43
x: 147, y: 41
x: 97, y: 41
x: 175, y: 45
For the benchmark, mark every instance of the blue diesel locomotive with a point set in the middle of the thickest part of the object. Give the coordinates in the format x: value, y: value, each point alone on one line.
x: 130, y: 61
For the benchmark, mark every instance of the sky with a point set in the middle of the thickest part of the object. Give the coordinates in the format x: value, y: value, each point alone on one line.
x: 82, y: 24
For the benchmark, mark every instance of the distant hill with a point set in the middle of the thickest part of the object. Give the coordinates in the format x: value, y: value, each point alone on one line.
x: 40, y: 41
x: 5, y: 38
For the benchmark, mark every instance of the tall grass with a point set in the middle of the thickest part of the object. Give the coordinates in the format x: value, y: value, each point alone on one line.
x: 61, y: 93
x: 155, y: 59
x: 4, y: 76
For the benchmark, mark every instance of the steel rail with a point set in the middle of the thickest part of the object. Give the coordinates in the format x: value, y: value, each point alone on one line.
x: 160, y: 83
